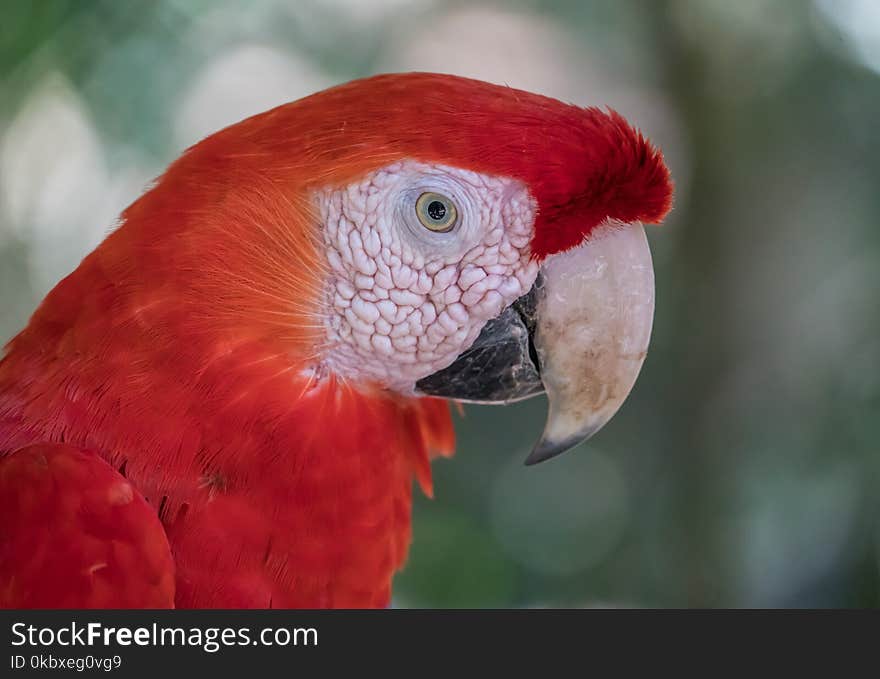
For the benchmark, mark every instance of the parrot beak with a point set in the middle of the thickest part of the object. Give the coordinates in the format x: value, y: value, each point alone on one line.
x: 580, y: 335
x: 595, y: 316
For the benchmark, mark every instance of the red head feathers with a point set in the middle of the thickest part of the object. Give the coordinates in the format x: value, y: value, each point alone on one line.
x: 582, y: 165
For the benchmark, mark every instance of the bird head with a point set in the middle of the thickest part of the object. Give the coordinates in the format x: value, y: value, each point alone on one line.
x: 422, y: 234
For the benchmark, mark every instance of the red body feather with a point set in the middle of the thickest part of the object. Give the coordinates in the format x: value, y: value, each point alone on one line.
x: 181, y: 351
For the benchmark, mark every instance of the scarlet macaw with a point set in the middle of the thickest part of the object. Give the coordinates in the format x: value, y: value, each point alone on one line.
x: 226, y: 403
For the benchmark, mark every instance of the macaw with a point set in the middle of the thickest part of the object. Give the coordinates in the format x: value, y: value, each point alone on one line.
x: 227, y: 402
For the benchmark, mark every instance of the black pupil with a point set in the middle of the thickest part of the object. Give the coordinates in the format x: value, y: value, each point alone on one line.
x: 436, y: 210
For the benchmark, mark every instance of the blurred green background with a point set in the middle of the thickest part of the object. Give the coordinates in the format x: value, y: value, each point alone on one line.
x: 744, y: 470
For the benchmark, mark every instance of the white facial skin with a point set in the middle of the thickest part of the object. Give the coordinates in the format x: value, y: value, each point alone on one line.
x: 404, y: 301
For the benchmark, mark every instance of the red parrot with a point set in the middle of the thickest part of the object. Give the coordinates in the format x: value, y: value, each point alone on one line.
x: 227, y: 402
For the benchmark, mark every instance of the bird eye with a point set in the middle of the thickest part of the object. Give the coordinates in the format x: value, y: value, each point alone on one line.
x: 436, y: 212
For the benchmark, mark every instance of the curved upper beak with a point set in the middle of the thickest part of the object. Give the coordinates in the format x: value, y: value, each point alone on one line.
x: 580, y: 335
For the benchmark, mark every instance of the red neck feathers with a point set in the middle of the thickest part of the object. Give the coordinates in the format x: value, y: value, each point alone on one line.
x: 275, y: 491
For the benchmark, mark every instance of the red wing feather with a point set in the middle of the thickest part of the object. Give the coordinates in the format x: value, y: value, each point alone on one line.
x: 76, y: 534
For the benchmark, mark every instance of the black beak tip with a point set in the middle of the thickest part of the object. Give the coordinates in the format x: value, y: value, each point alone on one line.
x: 545, y: 450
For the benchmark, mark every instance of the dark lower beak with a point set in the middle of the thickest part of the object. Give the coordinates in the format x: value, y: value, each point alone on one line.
x: 501, y: 366
x: 580, y: 335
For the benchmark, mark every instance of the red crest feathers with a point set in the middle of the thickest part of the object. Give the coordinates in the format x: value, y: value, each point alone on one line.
x: 582, y: 165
